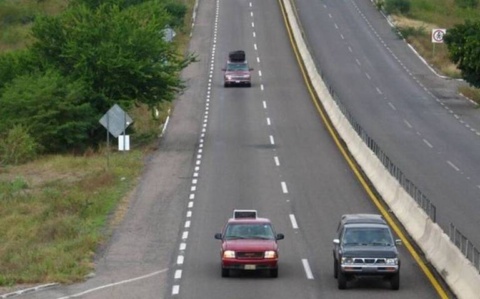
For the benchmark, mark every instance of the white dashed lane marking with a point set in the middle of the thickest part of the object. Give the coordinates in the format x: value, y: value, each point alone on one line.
x: 284, y: 188
x: 178, y: 274
x: 453, y: 165
x: 427, y: 143
x: 294, y: 221
x: 277, y: 161
x: 180, y: 260
x: 307, y: 269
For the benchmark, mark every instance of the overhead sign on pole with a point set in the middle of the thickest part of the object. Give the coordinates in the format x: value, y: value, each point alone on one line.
x: 437, y: 35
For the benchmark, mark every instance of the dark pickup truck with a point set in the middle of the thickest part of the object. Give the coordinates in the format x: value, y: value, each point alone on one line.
x: 364, y: 246
x: 237, y: 70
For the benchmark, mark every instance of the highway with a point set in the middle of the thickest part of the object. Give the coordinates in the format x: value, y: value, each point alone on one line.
x: 264, y: 148
x: 429, y: 131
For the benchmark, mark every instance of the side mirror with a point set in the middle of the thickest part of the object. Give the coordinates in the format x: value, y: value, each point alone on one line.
x: 280, y: 237
x: 250, y: 69
x: 398, y: 242
x: 336, y: 241
x: 224, y: 69
x: 218, y: 236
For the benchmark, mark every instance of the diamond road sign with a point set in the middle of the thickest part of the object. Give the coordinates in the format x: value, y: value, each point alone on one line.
x: 168, y: 34
x: 116, y: 120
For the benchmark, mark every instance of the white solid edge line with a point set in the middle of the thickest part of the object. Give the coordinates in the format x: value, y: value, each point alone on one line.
x: 115, y: 284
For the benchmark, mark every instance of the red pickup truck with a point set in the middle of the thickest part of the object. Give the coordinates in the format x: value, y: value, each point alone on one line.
x: 249, y: 243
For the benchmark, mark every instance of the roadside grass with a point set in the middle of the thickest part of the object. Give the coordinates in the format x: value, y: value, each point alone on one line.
x: 16, y: 17
x: 416, y: 28
x: 56, y: 211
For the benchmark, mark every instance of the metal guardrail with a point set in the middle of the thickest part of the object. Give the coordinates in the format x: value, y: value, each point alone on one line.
x: 471, y: 252
x: 465, y: 246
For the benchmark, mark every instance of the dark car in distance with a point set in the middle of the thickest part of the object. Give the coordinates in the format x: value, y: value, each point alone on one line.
x: 249, y: 243
x: 237, y: 70
x: 364, y: 246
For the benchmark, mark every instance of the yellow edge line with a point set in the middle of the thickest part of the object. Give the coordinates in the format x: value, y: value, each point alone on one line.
x: 441, y: 292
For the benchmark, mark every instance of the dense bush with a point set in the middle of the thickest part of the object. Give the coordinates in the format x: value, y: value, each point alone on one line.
x: 464, y: 48
x: 17, y: 146
x: 177, y: 11
x: 15, y: 64
x: 467, y: 3
x: 409, y: 31
x: 52, y: 106
x: 397, y: 6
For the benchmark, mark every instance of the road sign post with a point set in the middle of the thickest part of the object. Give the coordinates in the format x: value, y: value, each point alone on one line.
x: 437, y: 37
x: 116, y: 122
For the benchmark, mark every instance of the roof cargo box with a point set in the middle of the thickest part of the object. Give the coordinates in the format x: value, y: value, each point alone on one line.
x: 237, y: 56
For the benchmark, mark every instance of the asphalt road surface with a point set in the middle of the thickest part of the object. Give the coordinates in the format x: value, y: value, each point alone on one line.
x: 262, y: 148
x: 418, y: 118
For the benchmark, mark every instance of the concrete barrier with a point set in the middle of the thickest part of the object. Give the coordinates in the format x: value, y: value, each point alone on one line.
x: 459, y: 273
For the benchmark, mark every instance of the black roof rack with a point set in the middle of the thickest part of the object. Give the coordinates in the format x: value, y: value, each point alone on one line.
x: 242, y: 214
x: 237, y: 56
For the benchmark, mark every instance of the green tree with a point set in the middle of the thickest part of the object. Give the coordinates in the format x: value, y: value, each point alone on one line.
x: 84, y: 61
x: 52, y: 107
x: 177, y: 11
x: 463, y: 43
x: 16, y: 63
x: 119, y: 53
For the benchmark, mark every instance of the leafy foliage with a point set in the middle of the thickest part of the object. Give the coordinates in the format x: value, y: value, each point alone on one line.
x: 467, y: 3
x: 123, y: 59
x: 178, y: 11
x: 18, y: 146
x: 94, y: 55
x: 51, y: 106
x: 397, y: 6
x: 14, y: 64
x: 410, y: 31
x: 463, y: 42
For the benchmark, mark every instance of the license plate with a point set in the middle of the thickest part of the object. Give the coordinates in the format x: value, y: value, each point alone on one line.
x: 250, y: 267
x: 368, y: 269
x: 237, y: 81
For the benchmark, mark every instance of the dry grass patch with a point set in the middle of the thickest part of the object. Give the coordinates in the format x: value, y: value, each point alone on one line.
x: 418, y: 34
x: 61, y: 207
x: 470, y: 92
